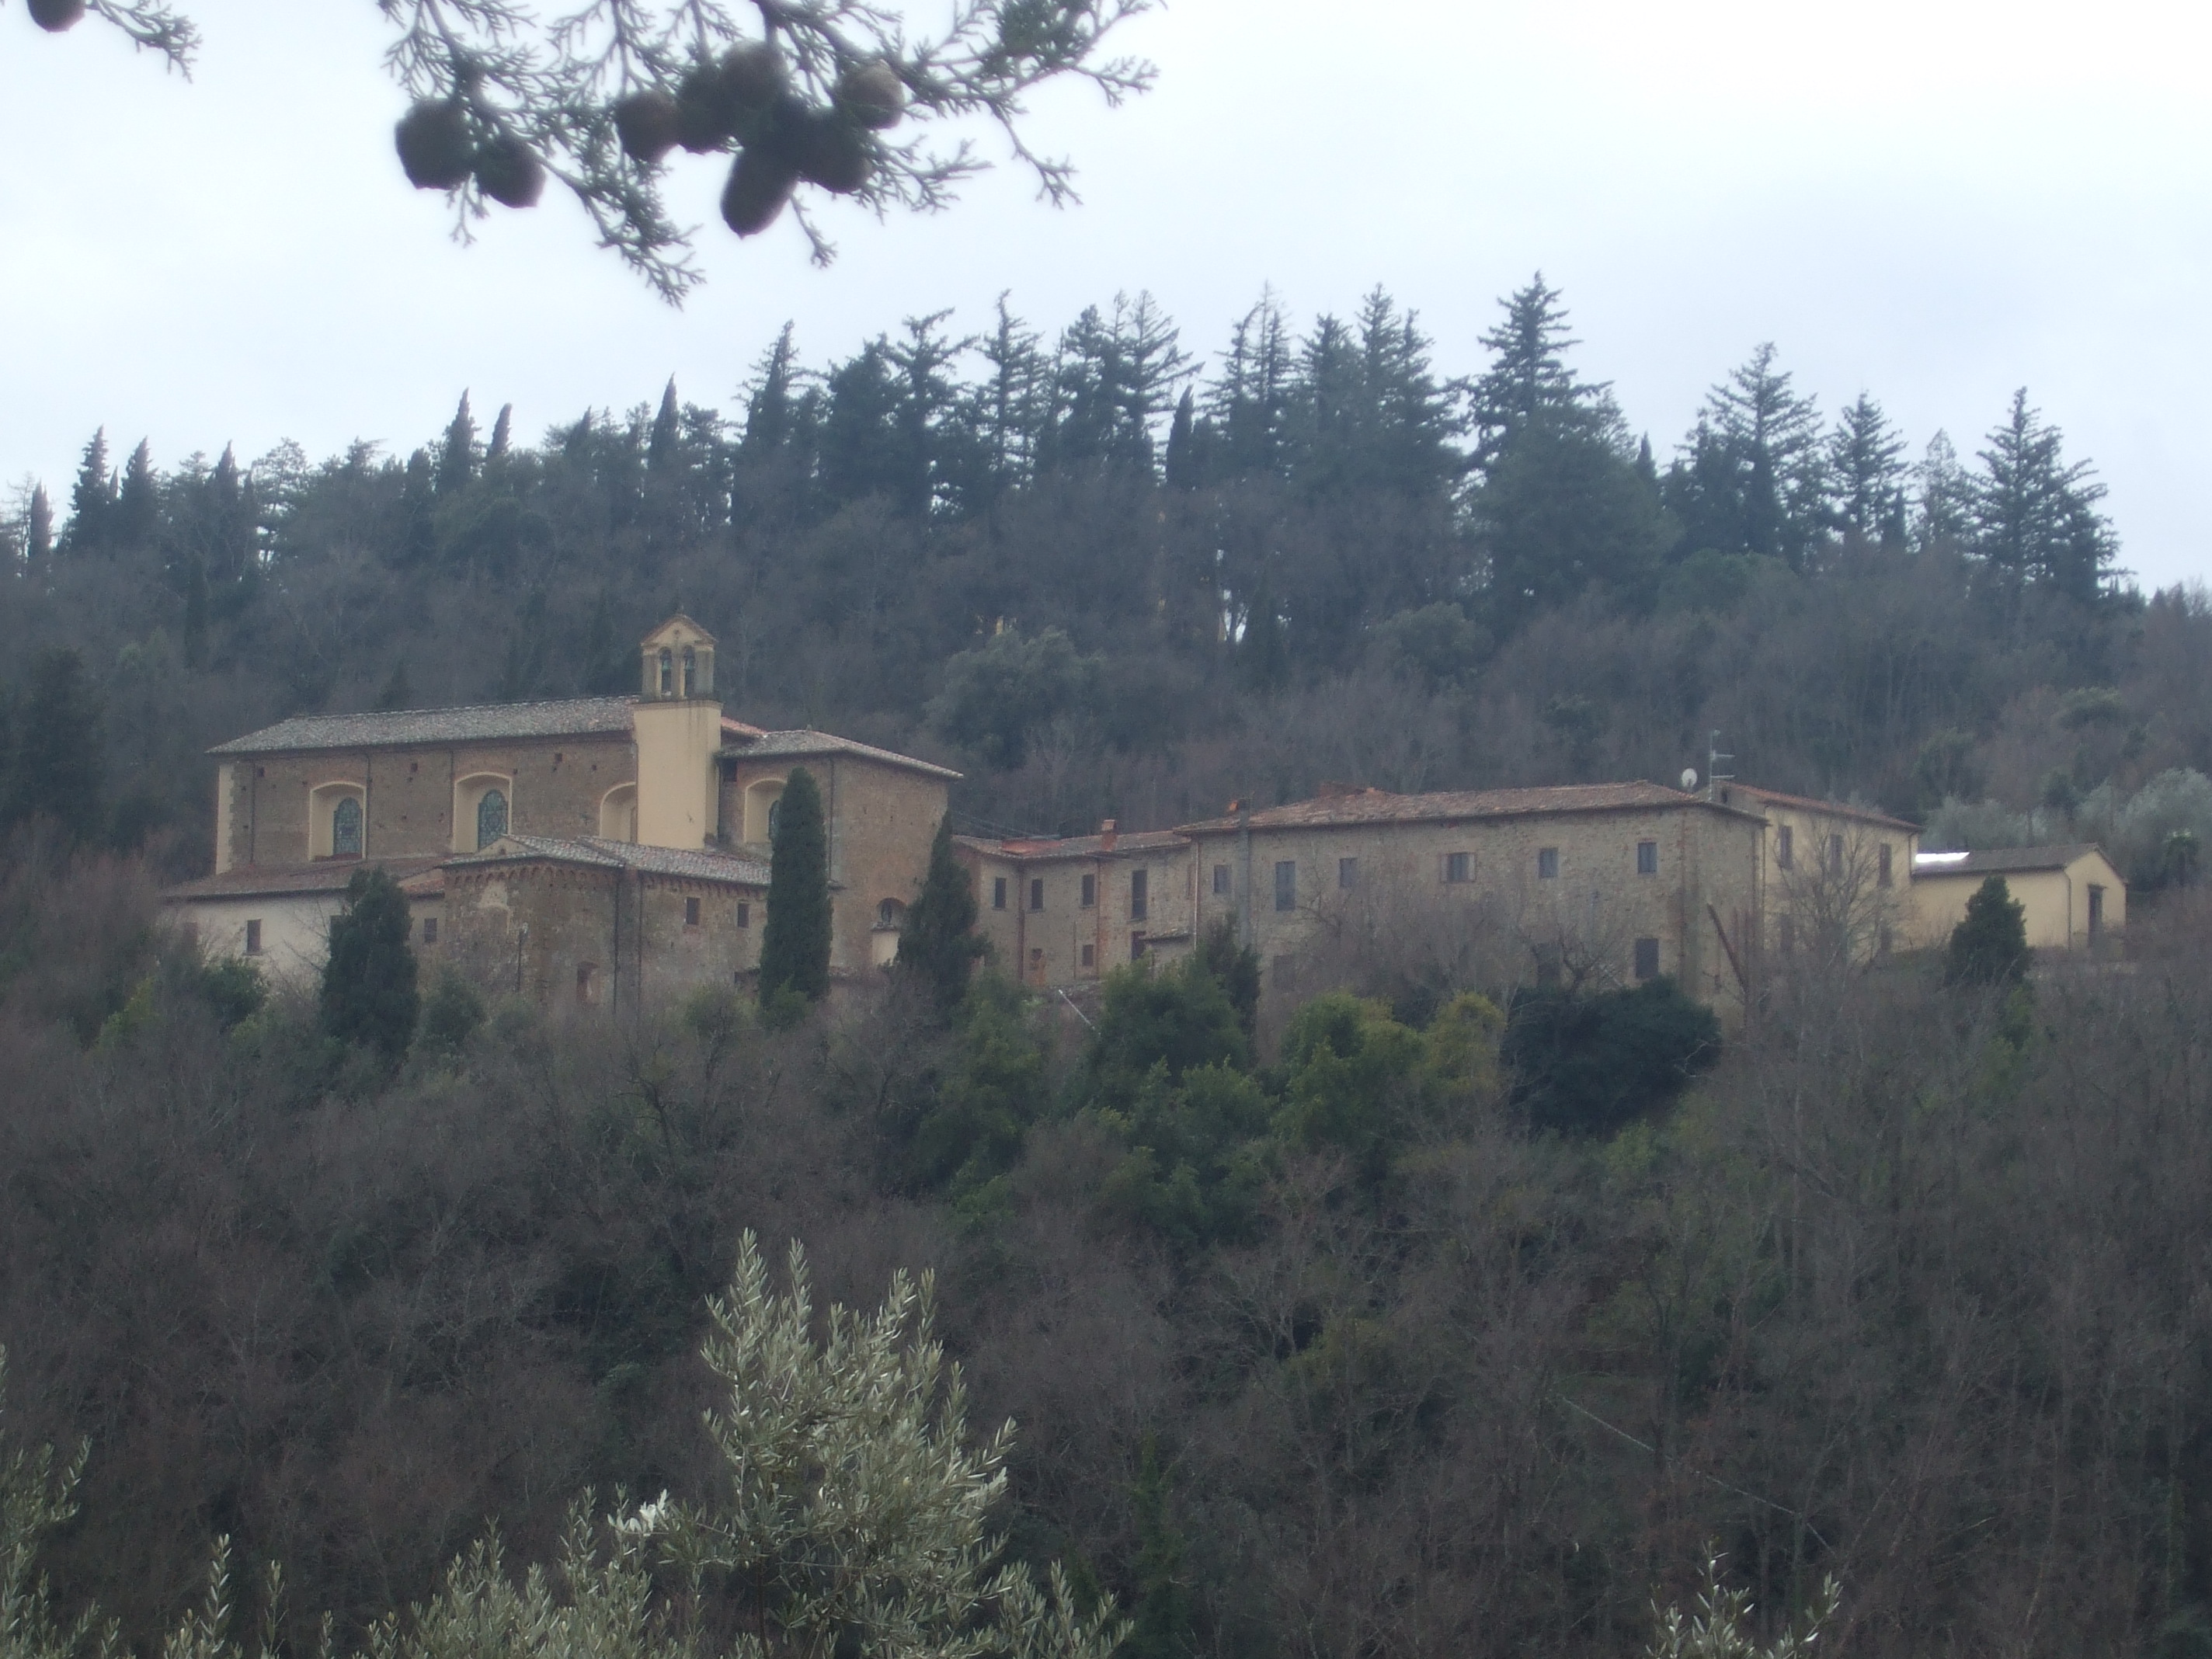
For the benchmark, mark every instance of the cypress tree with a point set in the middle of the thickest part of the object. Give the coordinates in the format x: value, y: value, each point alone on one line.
x: 369, y: 995
x: 1990, y: 945
x: 137, y: 505
x: 937, y: 943
x: 795, y: 943
x: 661, y: 444
x: 457, y: 456
x: 39, y: 526
x: 55, y: 767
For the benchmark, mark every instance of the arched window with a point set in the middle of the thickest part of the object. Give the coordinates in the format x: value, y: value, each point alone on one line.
x: 491, y: 819
x: 775, y: 817
x: 667, y: 671
x: 690, y: 671
x: 345, y: 829
x: 891, y: 914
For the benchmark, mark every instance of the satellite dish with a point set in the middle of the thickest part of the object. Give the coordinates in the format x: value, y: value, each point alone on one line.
x: 1689, y: 778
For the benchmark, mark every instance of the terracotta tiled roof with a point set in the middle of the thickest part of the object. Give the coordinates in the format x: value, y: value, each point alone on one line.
x: 603, y: 854
x: 1380, y: 806
x: 1996, y: 860
x: 1028, y: 850
x: 1751, y: 795
x: 324, y: 876
x: 802, y: 744
x: 483, y: 723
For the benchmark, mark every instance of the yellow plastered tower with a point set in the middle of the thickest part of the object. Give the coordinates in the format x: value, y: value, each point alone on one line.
x: 678, y: 723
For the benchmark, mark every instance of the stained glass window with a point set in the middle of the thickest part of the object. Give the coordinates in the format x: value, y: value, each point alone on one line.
x: 491, y: 817
x: 345, y: 828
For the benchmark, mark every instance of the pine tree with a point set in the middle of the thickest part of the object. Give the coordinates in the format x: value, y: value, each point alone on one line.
x: 937, y: 940
x: 1865, y: 473
x: 1528, y: 382
x: 1757, y: 446
x: 2034, y: 516
x: 1943, y: 502
x: 369, y: 997
x: 138, y: 503
x: 1990, y: 945
x: 795, y: 943
x: 58, y: 761
x: 92, y: 499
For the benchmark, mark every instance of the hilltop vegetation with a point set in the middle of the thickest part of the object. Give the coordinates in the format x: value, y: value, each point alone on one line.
x: 1111, y: 576
x: 1407, y: 1321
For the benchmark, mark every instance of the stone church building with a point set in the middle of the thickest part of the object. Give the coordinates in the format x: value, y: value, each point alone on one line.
x: 613, y: 853
x: 606, y: 851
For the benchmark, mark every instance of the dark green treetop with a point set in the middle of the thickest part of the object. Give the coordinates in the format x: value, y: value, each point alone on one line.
x: 1990, y: 945
x: 369, y: 997
x: 795, y: 944
x: 936, y: 942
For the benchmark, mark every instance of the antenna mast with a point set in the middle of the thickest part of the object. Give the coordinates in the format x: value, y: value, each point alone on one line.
x: 1714, y: 761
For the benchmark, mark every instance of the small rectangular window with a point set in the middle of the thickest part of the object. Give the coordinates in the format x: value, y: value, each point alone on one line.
x: 1347, y: 872
x: 1090, y: 891
x: 1459, y: 867
x: 1647, y: 958
x: 1036, y: 893
x: 1220, y: 879
x: 1647, y: 857
x: 1835, y: 855
x: 253, y: 938
x: 690, y: 912
x: 998, y: 892
x: 1785, y: 847
x: 1286, y: 884
x: 1882, y: 867
x: 744, y: 915
x: 1136, y: 947
x: 587, y: 982
x: 429, y: 930
x: 1547, y: 864
x: 1139, y: 894
x: 1090, y: 955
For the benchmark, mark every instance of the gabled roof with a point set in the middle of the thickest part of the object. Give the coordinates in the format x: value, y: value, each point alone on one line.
x: 597, y: 853
x: 1034, y: 850
x: 1380, y: 806
x: 1753, y: 795
x: 1998, y: 861
x: 807, y: 744
x: 482, y: 722
x: 324, y: 876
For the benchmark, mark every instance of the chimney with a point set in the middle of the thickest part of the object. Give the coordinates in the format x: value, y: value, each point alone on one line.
x: 1106, y: 837
x: 1236, y: 805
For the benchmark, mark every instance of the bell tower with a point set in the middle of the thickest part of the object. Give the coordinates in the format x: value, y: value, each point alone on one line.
x: 677, y: 726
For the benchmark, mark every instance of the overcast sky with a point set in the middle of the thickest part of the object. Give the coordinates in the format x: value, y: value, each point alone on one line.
x: 1935, y: 201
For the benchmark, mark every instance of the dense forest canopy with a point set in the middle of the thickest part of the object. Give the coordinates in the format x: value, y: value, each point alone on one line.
x: 1108, y: 573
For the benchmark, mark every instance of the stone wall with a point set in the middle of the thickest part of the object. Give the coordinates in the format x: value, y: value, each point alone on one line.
x: 1045, y: 934
x: 881, y: 818
x: 1583, y: 910
x: 598, y: 940
x: 557, y: 785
